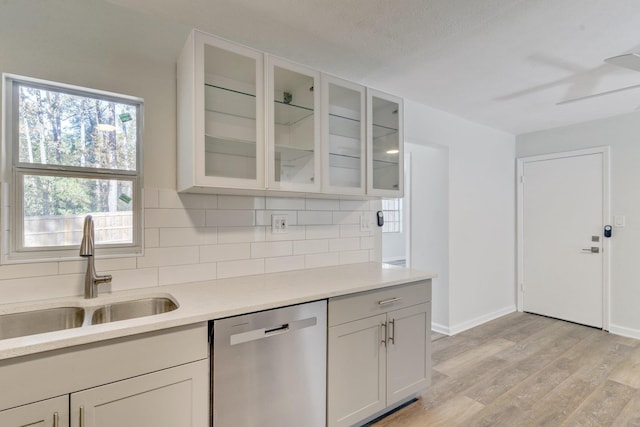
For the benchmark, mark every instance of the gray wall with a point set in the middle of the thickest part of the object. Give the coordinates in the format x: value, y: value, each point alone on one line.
x: 622, y: 134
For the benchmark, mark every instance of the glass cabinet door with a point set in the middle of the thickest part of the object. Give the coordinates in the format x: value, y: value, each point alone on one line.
x: 384, y: 144
x: 294, y: 128
x: 233, y: 149
x: 343, y: 136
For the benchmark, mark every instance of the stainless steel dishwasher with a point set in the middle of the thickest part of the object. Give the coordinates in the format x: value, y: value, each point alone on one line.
x: 269, y: 368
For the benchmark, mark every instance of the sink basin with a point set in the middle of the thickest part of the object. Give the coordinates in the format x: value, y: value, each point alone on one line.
x: 132, y: 309
x: 40, y: 321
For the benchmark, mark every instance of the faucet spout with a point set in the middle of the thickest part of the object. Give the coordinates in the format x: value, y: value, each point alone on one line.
x: 91, y: 278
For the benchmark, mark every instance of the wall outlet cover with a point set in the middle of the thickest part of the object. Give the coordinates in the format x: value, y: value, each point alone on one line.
x: 279, y: 224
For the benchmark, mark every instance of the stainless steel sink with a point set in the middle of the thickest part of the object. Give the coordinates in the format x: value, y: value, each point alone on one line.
x: 40, y: 321
x: 132, y: 309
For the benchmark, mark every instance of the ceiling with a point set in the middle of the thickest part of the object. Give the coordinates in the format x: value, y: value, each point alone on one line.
x: 503, y: 63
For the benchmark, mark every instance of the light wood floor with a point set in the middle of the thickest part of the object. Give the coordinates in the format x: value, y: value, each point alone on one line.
x: 528, y: 370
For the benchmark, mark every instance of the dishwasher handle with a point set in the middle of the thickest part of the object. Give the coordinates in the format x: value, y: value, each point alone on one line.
x: 272, y: 331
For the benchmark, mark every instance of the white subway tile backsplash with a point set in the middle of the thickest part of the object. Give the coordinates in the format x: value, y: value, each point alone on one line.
x: 244, y: 267
x: 241, y: 234
x: 225, y: 252
x: 294, y: 232
x: 321, y: 260
x: 171, y: 200
x: 194, y: 237
x: 346, y: 217
x: 304, y: 247
x: 151, y: 237
x: 186, y: 273
x: 354, y: 205
x: 322, y: 205
x: 285, y: 203
x: 15, y: 271
x: 351, y: 257
x: 287, y: 263
x: 271, y: 249
x: 264, y: 217
x: 345, y: 244
x: 323, y: 231
x: 230, y: 218
x: 315, y: 217
x: 161, y: 218
x: 129, y: 279
x: 156, y: 257
x: 240, y: 202
x: 150, y: 198
x: 188, y: 236
x: 367, y: 242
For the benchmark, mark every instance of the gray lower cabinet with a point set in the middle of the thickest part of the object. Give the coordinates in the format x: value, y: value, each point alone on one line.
x: 46, y: 413
x: 379, y: 351
x: 157, y: 379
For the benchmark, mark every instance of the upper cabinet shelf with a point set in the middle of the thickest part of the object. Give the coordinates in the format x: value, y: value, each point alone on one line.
x: 250, y: 122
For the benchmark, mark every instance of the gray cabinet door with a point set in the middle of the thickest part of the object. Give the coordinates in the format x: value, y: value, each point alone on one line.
x: 46, y: 413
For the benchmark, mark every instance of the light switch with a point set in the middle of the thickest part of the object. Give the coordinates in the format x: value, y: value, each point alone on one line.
x: 619, y: 221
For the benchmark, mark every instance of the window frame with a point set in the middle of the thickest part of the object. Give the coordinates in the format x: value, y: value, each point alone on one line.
x: 398, y: 201
x: 13, y: 172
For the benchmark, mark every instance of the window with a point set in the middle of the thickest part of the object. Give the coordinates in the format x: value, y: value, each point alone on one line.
x: 70, y: 152
x: 392, y: 211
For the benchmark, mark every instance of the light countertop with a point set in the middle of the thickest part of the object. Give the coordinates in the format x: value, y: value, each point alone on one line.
x: 209, y: 300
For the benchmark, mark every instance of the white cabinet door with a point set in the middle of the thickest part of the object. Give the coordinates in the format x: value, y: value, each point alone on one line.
x: 220, y: 115
x: 356, y: 370
x: 343, y: 137
x: 169, y: 398
x: 293, y: 126
x: 408, y: 352
x: 46, y: 413
x: 385, y: 145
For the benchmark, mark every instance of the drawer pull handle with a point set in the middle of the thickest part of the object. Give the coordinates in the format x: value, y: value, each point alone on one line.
x: 389, y: 301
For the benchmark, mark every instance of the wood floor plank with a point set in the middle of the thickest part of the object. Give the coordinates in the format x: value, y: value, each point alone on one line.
x: 529, y: 370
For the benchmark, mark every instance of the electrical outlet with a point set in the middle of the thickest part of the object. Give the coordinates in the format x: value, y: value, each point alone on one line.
x: 365, y: 222
x: 279, y: 224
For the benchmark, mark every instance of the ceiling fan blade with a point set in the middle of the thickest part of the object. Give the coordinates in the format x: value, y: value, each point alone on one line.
x: 628, y: 60
x: 595, y: 95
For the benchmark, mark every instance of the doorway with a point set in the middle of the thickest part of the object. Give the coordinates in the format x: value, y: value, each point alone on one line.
x: 563, y: 203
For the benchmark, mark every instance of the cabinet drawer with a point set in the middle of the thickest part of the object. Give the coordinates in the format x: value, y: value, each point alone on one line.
x: 364, y: 304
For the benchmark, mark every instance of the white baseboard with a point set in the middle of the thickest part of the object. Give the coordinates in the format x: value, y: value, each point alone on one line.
x: 472, y: 323
x: 441, y: 329
x: 625, y: 332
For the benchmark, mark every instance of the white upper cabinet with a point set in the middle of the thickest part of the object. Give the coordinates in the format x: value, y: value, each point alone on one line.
x: 220, y: 115
x: 343, y: 136
x: 385, y: 145
x: 250, y: 122
x: 293, y: 127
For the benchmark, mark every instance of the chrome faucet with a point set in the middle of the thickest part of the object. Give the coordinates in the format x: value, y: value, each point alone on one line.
x: 91, y: 279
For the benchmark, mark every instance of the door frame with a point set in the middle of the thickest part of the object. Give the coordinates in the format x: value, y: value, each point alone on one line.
x: 606, y: 216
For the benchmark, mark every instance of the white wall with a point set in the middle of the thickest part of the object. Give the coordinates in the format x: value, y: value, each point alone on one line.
x: 187, y: 237
x: 428, y: 192
x: 481, y: 253
x: 622, y: 134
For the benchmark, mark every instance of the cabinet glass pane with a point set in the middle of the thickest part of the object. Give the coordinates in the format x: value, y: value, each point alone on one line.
x: 230, y: 114
x: 345, y: 144
x: 294, y: 134
x: 386, y: 144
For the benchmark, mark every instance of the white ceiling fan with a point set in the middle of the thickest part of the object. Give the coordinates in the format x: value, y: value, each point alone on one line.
x: 627, y: 60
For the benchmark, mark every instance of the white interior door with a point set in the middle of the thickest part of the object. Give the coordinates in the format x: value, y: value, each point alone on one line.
x: 562, y: 240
